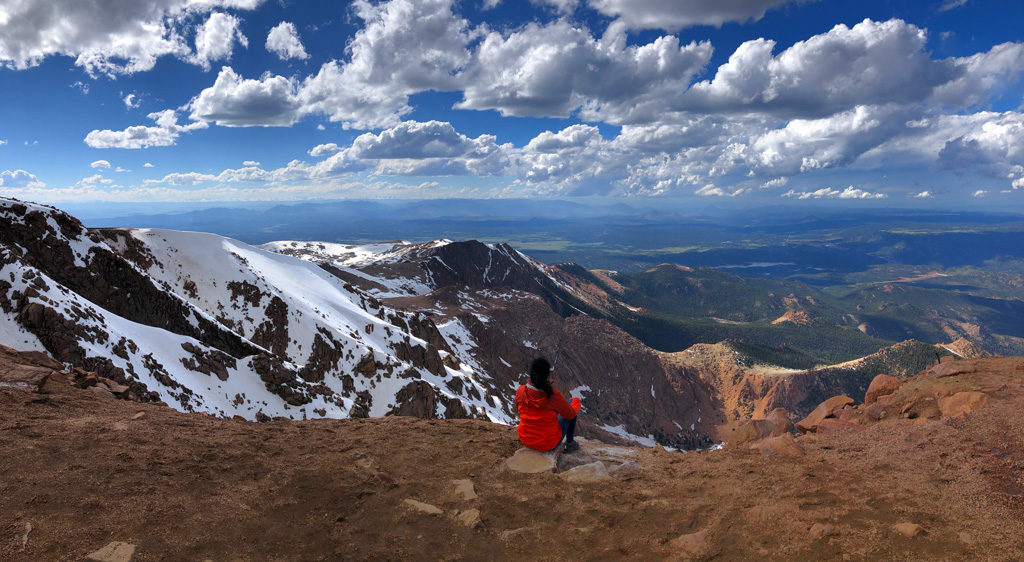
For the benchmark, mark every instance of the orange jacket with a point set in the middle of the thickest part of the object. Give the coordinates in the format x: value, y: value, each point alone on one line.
x: 538, y: 417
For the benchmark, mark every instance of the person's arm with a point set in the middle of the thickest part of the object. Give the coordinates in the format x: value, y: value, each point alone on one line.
x: 567, y: 410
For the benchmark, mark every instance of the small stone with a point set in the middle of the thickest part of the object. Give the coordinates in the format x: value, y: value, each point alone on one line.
x: 24, y: 536
x: 510, y: 534
x: 120, y: 426
x: 783, y: 444
x: 422, y: 507
x: 961, y: 403
x: 966, y: 538
x: 626, y: 469
x: 693, y: 544
x: 909, y: 530
x: 464, y: 489
x: 116, y: 551
x: 832, y: 426
x: 470, y: 518
x: 760, y: 514
x: 589, y: 472
x: 780, y: 421
x: 528, y: 461
x: 950, y: 369
x: 139, y: 416
x: 822, y: 530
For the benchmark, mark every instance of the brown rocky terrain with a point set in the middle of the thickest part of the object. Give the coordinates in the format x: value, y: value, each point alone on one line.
x: 939, y: 477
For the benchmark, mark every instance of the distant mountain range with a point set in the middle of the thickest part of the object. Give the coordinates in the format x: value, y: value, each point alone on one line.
x: 301, y: 329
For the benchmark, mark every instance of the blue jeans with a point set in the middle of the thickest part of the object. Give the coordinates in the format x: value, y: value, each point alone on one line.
x: 568, y: 429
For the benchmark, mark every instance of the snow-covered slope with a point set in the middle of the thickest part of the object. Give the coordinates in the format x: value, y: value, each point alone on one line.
x: 211, y: 324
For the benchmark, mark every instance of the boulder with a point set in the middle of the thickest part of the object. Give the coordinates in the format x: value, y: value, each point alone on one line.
x: 750, y: 431
x: 421, y: 507
x: 40, y: 358
x: 874, y: 412
x: 528, y: 461
x: 116, y: 551
x: 921, y: 407
x: 909, y: 530
x: 115, y: 388
x: 881, y: 385
x: 101, y: 390
x: 25, y: 377
x: 824, y: 410
x: 590, y: 472
x: 961, y: 403
x: 847, y: 413
x: 831, y: 426
x: 780, y: 421
x: 783, y: 445
x: 464, y: 489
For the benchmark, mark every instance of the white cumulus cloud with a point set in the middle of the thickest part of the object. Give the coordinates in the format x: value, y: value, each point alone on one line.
x: 676, y: 14
x: 19, y: 179
x: 869, y: 63
x: 324, y: 149
x: 553, y: 69
x: 234, y: 101
x: 829, y: 193
x: 100, y: 164
x: 105, y: 37
x: 215, y: 39
x: 165, y: 133
x: 283, y: 41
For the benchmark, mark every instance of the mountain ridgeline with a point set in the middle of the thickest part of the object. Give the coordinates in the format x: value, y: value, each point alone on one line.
x: 443, y: 329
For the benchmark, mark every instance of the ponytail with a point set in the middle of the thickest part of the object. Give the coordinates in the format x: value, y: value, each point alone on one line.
x: 540, y: 370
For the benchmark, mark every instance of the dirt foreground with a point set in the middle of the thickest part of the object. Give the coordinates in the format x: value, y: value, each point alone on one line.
x: 79, y: 470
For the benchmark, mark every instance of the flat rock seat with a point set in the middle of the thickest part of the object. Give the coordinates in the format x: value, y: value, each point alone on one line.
x: 529, y: 461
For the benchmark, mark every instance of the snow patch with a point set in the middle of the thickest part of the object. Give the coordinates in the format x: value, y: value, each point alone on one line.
x: 620, y: 430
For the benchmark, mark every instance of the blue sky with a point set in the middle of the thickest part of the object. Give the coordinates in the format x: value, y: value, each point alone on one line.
x: 892, y: 102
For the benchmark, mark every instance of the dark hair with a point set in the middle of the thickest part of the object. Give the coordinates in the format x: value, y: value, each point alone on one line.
x: 540, y: 370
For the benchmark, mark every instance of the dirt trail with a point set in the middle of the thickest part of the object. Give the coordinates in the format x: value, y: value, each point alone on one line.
x: 82, y: 472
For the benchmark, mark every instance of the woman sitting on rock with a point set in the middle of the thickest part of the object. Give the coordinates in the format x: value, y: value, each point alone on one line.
x: 545, y: 417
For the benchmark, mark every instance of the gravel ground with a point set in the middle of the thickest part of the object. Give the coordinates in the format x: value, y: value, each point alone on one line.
x: 81, y: 471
